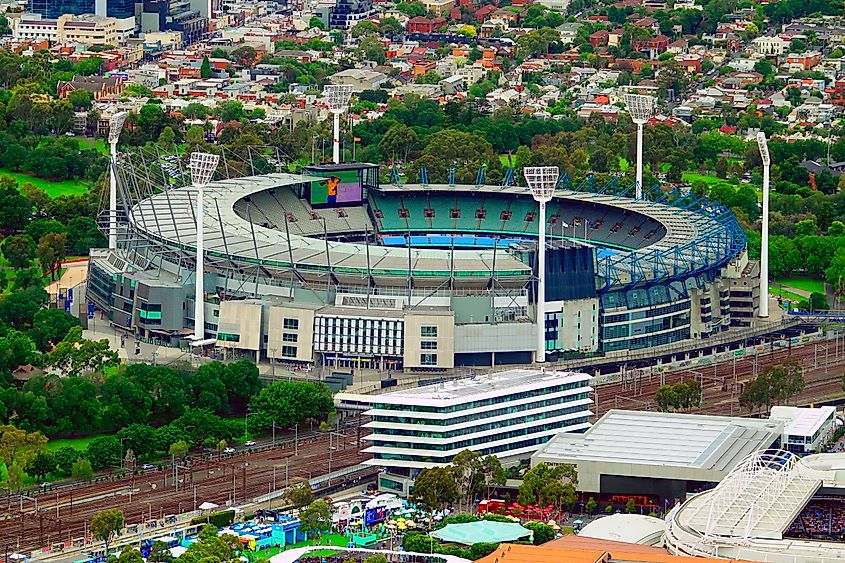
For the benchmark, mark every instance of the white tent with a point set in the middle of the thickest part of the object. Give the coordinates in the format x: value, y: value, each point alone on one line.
x: 208, y: 506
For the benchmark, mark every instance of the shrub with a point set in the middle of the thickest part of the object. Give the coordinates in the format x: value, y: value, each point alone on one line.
x: 219, y: 519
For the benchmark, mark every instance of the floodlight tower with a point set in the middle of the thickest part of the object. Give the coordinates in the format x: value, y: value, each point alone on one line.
x: 202, y: 166
x: 541, y: 180
x: 115, y: 127
x: 337, y: 96
x: 763, y: 145
x: 640, y: 107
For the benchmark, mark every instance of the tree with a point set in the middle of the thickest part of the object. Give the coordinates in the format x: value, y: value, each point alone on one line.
x: 550, y: 485
x: 81, y: 470
x: 317, y: 518
x: 50, y: 326
x: 299, y: 495
x: 16, y: 476
x: 76, y: 356
x: 465, y: 469
x: 205, y: 68
x: 81, y: 99
x: 398, y: 142
x: 630, y: 506
x: 590, y: 505
x: 103, y: 451
x: 287, y: 403
x: 18, y: 309
x: 836, y: 228
x: 19, y: 250
x: 139, y: 438
x: 390, y: 26
x: 167, y: 137
x: 316, y: 22
x: 542, y: 532
x: 51, y: 250
x: 20, y: 447
x: 244, y: 56
x: 494, y: 474
x: 105, y: 524
x: 434, y: 488
x: 364, y: 27
x: 179, y: 449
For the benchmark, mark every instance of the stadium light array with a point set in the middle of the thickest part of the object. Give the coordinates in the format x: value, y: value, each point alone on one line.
x: 763, y: 145
x: 337, y: 96
x: 542, y: 181
x: 202, y: 166
x: 641, y: 108
x: 115, y: 127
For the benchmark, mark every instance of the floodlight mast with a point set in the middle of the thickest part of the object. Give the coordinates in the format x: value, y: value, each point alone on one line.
x: 542, y: 181
x: 115, y: 127
x: 763, y: 145
x: 202, y: 166
x: 337, y: 96
x: 640, y: 107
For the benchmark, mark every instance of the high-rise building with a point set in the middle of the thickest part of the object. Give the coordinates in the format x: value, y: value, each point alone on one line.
x: 174, y: 15
x: 347, y: 13
x: 52, y: 9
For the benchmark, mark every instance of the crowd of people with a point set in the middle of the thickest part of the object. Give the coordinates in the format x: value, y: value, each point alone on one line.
x: 820, y: 518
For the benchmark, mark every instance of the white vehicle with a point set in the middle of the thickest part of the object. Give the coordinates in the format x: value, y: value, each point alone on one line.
x: 229, y: 450
x: 249, y: 443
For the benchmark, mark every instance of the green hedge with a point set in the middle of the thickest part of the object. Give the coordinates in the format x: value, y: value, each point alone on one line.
x: 219, y: 519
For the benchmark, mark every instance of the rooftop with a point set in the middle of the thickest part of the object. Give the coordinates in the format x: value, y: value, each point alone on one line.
x: 653, y: 438
x: 802, y: 421
x: 480, y: 387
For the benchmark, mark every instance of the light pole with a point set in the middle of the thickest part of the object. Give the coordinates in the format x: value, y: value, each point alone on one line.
x: 541, y: 180
x: 115, y: 127
x: 763, y: 145
x: 202, y: 166
x: 337, y: 96
x: 640, y: 107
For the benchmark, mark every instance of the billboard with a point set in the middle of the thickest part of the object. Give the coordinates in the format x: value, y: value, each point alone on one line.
x: 340, y: 187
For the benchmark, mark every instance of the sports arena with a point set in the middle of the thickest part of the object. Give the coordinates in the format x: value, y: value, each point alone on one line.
x: 338, y: 266
x: 773, y: 506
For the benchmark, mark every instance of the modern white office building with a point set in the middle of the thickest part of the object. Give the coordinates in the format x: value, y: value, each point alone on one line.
x: 508, y: 414
x: 805, y: 430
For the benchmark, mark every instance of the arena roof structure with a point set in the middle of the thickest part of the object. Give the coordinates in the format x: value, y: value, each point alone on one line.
x: 659, y: 445
x: 746, y: 515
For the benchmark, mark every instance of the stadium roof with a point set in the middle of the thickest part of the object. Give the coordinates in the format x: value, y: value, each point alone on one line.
x: 483, y: 531
x: 652, y: 438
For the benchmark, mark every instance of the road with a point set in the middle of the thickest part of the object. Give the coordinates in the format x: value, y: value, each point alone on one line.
x: 64, y: 514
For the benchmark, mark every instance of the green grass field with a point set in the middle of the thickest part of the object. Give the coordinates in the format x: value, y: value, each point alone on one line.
x: 786, y: 294
x: 76, y: 443
x: 336, y: 540
x: 89, y: 143
x: 53, y: 189
x: 804, y: 284
x: 706, y: 178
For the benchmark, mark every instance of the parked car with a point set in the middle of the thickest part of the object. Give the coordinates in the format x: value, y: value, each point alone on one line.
x: 249, y: 443
x: 229, y: 450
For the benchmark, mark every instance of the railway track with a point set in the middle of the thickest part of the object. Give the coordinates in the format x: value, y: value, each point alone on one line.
x: 30, y: 522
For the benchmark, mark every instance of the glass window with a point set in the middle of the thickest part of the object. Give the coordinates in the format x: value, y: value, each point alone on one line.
x: 429, y: 331
x: 288, y: 351
x: 428, y: 345
x: 290, y: 337
x: 428, y: 359
x: 291, y: 324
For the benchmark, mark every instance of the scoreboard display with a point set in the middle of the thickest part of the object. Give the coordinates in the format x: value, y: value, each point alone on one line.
x: 340, y: 185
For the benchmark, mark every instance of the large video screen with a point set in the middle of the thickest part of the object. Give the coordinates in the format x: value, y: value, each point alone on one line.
x: 341, y: 187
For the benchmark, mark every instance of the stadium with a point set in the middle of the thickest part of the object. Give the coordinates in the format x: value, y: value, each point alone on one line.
x: 347, y: 265
x: 773, y: 506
